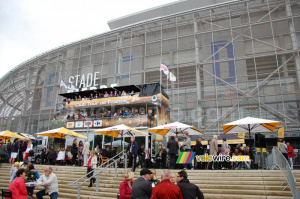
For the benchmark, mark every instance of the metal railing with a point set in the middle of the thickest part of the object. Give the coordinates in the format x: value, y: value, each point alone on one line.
x: 97, y: 171
x: 285, y: 168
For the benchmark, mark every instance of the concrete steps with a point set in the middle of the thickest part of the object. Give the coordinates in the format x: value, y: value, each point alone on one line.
x: 243, y: 184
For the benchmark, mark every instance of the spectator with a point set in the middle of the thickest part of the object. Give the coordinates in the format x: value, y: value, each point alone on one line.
x: 61, y: 155
x: 14, y: 151
x: 8, y: 150
x: 120, y: 113
x: 91, y: 96
x: 166, y: 189
x: 80, y: 155
x: 283, y: 149
x: 43, y: 155
x: 199, y: 151
x: 141, y: 188
x: 32, y: 176
x: 290, y: 154
x: 111, y: 94
x: 92, y: 164
x: 79, y: 98
x: 68, y: 157
x: 132, y: 93
x: 147, y: 159
x: 236, y: 164
x: 51, y: 188
x: 173, y: 149
x: 109, y: 114
x: 248, y: 164
x: 106, y: 94
x: 2, y: 152
x: 51, y: 155
x: 173, y: 178
x: 115, y: 94
x: 18, y: 187
x: 74, y: 151
x: 153, y: 179
x: 132, y: 149
x: 158, y: 159
x: 105, y: 152
x: 188, y: 190
x: 29, y: 148
x: 96, y: 96
x: 141, y: 155
x: 13, y: 171
x: 213, y: 150
x: 76, y: 98
x: 85, y: 152
x: 187, y: 148
x: 123, y: 93
x: 126, y: 186
x: 126, y: 113
x: 225, y: 151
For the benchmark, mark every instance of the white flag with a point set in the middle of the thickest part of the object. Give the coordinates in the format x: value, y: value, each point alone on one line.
x: 62, y: 83
x: 73, y: 88
x: 172, y: 77
x: 164, y: 68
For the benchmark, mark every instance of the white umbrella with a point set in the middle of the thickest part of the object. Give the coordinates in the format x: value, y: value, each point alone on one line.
x: 120, y: 131
x: 175, y: 129
x: 250, y: 124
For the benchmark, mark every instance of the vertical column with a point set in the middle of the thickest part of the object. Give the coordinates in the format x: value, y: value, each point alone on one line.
x: 198, y: 78
x: 294, y: 40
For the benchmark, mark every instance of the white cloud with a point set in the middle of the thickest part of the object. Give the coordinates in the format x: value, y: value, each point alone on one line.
x: 31, y: 27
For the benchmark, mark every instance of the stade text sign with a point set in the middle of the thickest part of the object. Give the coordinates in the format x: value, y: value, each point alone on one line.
x: 84, y: 81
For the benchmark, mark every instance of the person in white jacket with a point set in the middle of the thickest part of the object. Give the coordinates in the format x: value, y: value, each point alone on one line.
x: 92, y: 164
x: 49, y: 179
x: 86, y: 152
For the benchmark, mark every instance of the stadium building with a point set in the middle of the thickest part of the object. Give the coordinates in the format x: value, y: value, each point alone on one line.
x: 231, y: 59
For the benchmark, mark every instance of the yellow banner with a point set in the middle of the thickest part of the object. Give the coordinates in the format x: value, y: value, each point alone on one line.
x: 280, y: 133
x: 241, y: 135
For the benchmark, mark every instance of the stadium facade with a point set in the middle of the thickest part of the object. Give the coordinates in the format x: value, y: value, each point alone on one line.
x: 231, y: 58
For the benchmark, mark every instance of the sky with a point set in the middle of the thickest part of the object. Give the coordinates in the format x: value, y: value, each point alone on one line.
x: 31, y: 27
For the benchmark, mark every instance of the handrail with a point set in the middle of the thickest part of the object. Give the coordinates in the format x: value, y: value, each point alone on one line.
x: 112, y: 160
x: 285, y: 168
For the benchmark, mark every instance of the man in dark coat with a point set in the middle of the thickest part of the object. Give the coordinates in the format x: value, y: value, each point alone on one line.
x: 173, y: 150
x: 199, y: 151
x: 188, y: 190
x: 141, y: 188
x: 132, y: 150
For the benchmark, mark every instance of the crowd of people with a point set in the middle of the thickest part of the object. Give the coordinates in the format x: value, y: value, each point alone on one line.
x: 106, y: 94
x: 171, y: 186
x: 21, y: 179
x: 121, y: 113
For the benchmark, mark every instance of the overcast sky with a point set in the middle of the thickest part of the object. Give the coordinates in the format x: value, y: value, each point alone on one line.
x: 31, y: 27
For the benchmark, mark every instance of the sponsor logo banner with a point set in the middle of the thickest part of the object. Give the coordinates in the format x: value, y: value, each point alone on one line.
x: 70, y: 124
x: 97, y: 123
x: 78, y: 124
x: 88, y: 123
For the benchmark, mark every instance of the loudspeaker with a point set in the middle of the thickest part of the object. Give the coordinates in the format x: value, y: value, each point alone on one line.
x: 260, y: 140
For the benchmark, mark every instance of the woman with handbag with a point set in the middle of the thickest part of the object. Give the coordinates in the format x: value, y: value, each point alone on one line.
x: 92, y: 164
x: 225, y: 151
x: 74, y: 151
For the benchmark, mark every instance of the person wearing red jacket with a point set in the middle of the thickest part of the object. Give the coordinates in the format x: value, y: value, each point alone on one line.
x: 166, y: 189
x: 18, y: 187
x: 290, y: 154
x: 126, y: 186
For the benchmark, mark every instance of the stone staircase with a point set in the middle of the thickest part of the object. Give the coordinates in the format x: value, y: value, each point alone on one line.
x: 243, y: 184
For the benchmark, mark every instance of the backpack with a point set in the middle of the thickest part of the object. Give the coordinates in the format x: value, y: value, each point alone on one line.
x: 31, y: 153
x: 9, y: 146
x: 31, y: 176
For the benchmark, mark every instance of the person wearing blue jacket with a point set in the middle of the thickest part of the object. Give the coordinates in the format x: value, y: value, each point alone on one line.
x: 132, y: 151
